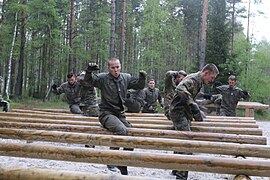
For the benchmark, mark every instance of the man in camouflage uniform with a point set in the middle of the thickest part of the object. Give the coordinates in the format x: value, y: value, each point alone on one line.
x: 88, y: 96
x: 71, y: 88
x: 151, y: 96
x: 230, y: 97
x: 172, y: 79
x: 114, y: 86
x: 3, y: 103
x: 184, y: 108
x: 135, y: 100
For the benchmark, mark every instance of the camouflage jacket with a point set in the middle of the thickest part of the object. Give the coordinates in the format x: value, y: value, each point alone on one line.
x: 169, y: 88
x: 72, y: 92
x: 87, y: 93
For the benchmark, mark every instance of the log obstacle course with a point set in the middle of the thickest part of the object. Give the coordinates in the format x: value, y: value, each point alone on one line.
x: 153, y: 132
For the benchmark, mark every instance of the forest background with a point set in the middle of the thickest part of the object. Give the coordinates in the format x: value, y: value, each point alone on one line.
x: 41, y: 41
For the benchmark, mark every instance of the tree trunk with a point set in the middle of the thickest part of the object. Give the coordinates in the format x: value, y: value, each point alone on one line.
x: 203, y: 33
x: 10, y: 57
x: 112, y: 42
x: 123, y: 35
x: 71, y: 65
x: 233, y: 24
x: 19, y: 83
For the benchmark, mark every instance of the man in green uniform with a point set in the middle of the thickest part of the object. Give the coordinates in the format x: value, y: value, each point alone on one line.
x: 230, y: 97
x: 88, y: 96
x: 172, y: 79
x: 113, y: 86
x: 151, y: 96
x: 184, y: 108
x: 71, y: 88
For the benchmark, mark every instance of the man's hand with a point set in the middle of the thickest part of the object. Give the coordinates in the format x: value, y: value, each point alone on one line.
x: 54, y: 86
x: 92, y: 67
x: 143, y: 73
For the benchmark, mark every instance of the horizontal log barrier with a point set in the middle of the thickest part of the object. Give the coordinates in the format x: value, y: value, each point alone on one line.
x: 218, y: 137
x: 134, y: 119
x: 166, y: 144
x: 20, y: 173
x: 225, y: 130
x: 139, y: 159
x: 136, y: 124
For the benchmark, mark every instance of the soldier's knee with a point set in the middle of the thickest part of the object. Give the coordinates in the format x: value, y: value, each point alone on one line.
x: 121, y: 130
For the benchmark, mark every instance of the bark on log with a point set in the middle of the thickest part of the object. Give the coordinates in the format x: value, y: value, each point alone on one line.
x: 50, y: 174
x: 243, y: 139
x: 225, y: 130
x: 139, y: 142
x: 140, y: 159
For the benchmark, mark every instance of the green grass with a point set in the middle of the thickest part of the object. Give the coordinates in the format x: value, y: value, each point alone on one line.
x: 37, y: 103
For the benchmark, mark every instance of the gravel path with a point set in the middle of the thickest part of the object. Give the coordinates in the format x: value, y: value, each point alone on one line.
x: 96, y: 168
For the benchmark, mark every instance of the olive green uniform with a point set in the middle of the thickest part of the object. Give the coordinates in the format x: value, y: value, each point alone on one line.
x: 135, y: 100
x: 230, y: 98
x: 151, y: 97
x: 72, y: 93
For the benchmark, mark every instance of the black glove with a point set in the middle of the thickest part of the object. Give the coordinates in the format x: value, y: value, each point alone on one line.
x: 143, y: 73
x: 207, y: 96
x: 54, y: 86
x: 245, y: 93
x: 92, y: 67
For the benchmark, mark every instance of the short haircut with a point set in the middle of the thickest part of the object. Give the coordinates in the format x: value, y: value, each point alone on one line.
x: 150, y: 80
x: 232, y: 77
x: 70, y: 75
x: 112, y: 59
x: 211, y: 68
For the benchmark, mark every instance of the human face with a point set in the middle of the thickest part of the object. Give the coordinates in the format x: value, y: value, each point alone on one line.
x: 231, y: 83
x: 72, y: 80
x: 209, y: 77
x: 179, y: 78
x: 151, y: 84
x: 114, y: 68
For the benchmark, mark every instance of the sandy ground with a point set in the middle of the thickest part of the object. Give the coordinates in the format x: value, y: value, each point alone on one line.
x: 134, y: 171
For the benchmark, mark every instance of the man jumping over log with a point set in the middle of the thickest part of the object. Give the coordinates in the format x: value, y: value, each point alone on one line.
x: 184, y: 108
x: 114, y: 86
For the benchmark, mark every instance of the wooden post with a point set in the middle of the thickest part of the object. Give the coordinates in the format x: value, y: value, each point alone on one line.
x: 139, y: 159
x: 139, y: 142
x: 246, y: 139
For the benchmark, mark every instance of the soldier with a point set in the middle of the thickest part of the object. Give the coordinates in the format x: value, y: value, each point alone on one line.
x: 230, y: 97
x: 3, y: 103
x: 184, y: 108
x: 135, y: 100
x: 71, y: 88
x: 114, y: 86
x: 172, y: 79
x: 88, y: 96
x: 151, y: 96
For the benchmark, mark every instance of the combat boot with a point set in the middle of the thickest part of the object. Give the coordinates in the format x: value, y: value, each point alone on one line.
x: 123, y: 170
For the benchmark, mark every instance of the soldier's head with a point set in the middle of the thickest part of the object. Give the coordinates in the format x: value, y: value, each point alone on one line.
x: 180, y: 76
x: 232, y: 81
x: 209, y: 73
x: 114, y: 67
x: 71, y: 78
x: 151, y: 83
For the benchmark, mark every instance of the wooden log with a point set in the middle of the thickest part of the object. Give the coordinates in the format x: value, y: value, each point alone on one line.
x: 243, y: 139
x: 226, y: 130
x: 139, y: 159
x: 139, y: 142
x: 135, y: 124
x: 51, y: 174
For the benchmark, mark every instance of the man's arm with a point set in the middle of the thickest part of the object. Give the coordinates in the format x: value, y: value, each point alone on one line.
x: 90, y: 78
x: 138, y: 83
